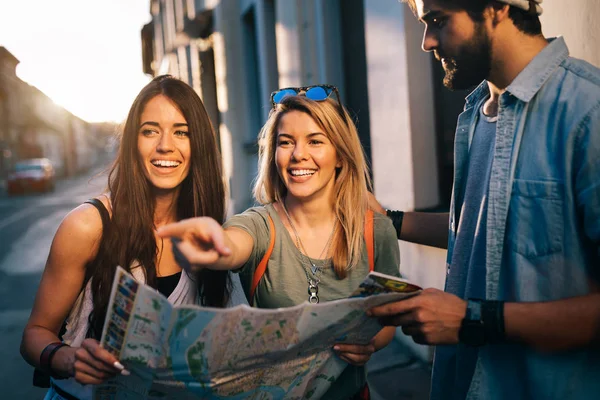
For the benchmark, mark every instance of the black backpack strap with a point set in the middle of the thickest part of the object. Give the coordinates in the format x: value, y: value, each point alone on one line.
x: 42, y: 378
x: 102, y: 210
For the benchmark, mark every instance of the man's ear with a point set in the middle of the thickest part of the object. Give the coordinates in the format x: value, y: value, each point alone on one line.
x: 499, y: 12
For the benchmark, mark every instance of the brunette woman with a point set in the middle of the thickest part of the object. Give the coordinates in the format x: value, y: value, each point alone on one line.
x: 168, y: 168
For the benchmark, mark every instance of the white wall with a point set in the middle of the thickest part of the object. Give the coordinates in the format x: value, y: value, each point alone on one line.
x: 577, y: 21
x: 403, y: 131
x: 232, y: 102
x: 288, y: 43
x: 402, y: 126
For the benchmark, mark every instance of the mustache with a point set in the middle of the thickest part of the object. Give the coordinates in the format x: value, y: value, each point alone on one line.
x: 438, y: 56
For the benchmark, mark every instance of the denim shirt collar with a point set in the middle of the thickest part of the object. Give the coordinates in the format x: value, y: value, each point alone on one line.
x: 534, y: 75
x: 539, y: 70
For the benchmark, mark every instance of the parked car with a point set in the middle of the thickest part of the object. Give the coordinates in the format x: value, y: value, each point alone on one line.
x: 35, y: 174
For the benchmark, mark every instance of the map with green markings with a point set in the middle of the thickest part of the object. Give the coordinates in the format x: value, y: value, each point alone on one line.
x: 193, y: 352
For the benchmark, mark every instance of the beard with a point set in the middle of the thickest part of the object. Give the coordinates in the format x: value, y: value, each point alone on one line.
x: 471, y: 64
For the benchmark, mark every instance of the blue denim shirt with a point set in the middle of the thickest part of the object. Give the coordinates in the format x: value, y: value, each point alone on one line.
x: 543, y: 223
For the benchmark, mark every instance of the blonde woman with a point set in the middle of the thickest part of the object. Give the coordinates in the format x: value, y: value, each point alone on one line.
x: 312, y: 183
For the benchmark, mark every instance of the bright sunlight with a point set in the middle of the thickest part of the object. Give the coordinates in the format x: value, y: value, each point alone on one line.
x: 84, y: 54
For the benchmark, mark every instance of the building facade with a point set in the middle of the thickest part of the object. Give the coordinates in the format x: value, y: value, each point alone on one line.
x: 32, y: 126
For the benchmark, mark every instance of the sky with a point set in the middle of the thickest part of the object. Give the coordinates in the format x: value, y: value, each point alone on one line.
x: 84, y: 54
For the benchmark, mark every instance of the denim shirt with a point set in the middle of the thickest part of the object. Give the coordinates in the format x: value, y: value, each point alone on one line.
x: 543, y: 222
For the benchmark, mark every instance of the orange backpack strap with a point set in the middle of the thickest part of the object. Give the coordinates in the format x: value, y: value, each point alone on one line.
x: 262, y: 266
x: 370, y: 238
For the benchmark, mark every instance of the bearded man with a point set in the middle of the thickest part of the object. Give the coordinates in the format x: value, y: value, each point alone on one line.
x: 520, y: 314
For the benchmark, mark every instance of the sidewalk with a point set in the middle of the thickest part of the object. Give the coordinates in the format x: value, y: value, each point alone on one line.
x: 397, y: 373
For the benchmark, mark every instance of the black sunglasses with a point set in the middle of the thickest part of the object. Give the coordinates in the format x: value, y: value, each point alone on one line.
x: 314, y: 92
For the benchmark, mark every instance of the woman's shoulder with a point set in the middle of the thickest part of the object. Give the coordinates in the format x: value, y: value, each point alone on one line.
x: 85, y: 221
x: 262, y: 210
x: 79, y: 234
x: 256, y: 213
x: 382, y: 226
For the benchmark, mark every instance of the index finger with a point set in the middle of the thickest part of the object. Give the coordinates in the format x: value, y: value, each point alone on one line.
x: 178, y: 229
x: 204, y: 229
x: 354, y: 348
x: 394, y: 308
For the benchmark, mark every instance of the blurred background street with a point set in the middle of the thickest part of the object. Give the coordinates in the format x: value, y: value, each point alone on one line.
x: 27, y: 226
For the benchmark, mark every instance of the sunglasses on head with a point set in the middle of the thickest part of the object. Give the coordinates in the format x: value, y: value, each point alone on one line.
x: 314, y: 92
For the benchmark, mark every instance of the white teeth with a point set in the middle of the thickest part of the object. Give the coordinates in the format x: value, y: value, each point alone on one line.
x: 165, y: 163
x: 301, y: 172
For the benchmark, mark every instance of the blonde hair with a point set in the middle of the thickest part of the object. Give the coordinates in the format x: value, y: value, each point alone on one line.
x: 352, y: 179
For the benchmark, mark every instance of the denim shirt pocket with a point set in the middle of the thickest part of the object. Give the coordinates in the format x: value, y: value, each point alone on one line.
x: 535, y: 218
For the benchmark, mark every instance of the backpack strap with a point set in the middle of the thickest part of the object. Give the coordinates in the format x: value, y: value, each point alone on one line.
x: 262, y: 266
x: 370, y: 238
x: 369, y: 235
x: 102, y: 210
x: 105, y: 225
x: 41, y: 378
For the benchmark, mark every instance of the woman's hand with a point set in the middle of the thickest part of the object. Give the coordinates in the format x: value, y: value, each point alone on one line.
x: 202, y: 243
x: 94, y: 365
x: 355, y: 354
x: 202, y: 240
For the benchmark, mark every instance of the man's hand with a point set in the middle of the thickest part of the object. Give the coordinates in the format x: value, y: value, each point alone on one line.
x: 432, y: 317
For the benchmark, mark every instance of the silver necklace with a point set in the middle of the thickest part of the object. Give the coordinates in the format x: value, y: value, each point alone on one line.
x: 313, y: 280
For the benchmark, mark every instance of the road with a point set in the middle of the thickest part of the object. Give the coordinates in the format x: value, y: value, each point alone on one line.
x: 27, y: 226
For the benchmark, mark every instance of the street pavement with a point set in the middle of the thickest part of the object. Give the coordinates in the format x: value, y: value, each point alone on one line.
x: 27, y: 226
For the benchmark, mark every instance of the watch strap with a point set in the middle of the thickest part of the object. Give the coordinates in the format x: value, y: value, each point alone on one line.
x: 492, y: 315
x: 474, y: 310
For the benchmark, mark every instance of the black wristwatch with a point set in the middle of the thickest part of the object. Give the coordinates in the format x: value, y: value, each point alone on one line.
x: 483, y: 323
x: 472, y: 330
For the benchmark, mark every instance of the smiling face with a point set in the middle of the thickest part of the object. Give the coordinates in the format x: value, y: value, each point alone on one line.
x: 164, y: 144
x: 462, y: 44
x: 305, y: 157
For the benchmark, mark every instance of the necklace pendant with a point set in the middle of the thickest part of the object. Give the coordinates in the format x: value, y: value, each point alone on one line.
x: 314, y: 268
x: 313, y: 299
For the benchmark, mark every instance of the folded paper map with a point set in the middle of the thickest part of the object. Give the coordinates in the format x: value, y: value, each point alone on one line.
x: 193, y: 352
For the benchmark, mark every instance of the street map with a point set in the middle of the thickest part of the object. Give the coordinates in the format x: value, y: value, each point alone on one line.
x: 193, y: 352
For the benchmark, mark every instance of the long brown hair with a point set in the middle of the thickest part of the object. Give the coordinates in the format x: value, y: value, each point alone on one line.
x: 130, y: 236
x: 351, y: 181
